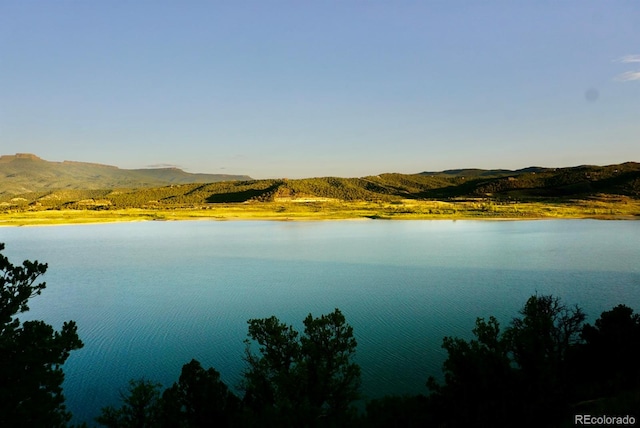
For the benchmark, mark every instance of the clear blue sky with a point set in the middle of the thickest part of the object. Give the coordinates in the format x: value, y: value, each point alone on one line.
x: 316, y: 88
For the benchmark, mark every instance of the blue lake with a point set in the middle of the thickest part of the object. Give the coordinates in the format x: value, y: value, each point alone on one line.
x: 149, y: 297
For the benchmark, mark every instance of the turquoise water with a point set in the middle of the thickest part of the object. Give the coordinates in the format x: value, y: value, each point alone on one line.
x: 148, y: 297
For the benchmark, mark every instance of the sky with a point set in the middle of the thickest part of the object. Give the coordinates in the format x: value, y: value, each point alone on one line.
x: 300, y: 88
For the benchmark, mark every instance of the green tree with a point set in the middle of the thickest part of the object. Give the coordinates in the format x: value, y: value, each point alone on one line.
x: 140, y: 407
x: 308, y: 380
x: 478, y: 379
x: 612, y: 351
x: 31, y: 353
x: 270, y: 379
x: 541, y: 342
x: 519, y: 374
x: 199, y: 399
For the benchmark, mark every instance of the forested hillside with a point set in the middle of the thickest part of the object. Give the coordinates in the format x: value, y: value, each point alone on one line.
x: 613, y: 181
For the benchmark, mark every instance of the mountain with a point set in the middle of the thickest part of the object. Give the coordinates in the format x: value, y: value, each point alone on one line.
x: 23, y: 173
x: 560, y: 184
x: 475, y: 173
x: 26, y: 180
x: 573, y: 182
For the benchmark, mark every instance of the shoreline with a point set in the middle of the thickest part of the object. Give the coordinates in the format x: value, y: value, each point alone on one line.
x: 78, y: 218
x: 332, y: 211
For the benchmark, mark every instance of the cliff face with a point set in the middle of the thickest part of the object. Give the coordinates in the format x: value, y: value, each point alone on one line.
x: 11, y: 158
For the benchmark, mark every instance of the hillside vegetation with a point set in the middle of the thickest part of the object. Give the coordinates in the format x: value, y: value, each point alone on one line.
x: 594, y: 191
x: 23, y: 173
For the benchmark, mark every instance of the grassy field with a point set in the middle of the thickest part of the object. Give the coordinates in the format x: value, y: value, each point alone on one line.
x: 332, y: 210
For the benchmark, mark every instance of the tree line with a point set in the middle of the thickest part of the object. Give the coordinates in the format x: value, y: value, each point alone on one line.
x: 544, y: 367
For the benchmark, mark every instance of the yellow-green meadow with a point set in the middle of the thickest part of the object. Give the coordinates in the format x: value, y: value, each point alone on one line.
x: 334, y: 210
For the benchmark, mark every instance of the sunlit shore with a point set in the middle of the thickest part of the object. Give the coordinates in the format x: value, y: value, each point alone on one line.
x: 292, y: 211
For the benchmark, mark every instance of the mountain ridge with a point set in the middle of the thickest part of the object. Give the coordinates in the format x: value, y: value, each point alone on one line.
x: 80, y: 184
x: 476, y: 172
x: 27, y: 172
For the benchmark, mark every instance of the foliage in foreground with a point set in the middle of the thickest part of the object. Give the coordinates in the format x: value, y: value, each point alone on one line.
x: 302, y: 381
x: 293, y: 380
x: 539, y: 368
x: 31, y: 353
x: 546, y: 366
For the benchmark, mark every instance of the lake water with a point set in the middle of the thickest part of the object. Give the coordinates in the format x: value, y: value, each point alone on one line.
x: 149, y: 297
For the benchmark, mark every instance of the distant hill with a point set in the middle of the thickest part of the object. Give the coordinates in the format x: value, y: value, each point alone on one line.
x: 475, y: 173
x: 28, y: 181
x: 23, y: 173
x: 574, y: 182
